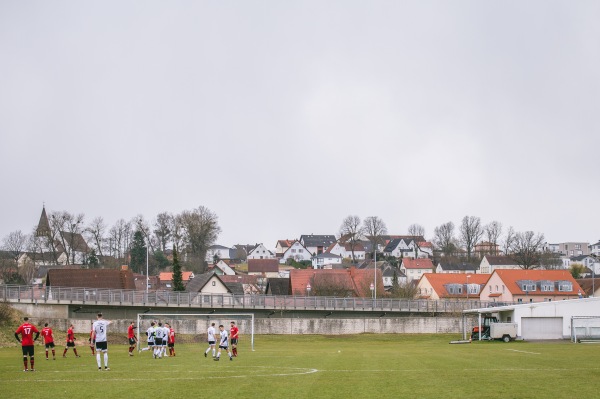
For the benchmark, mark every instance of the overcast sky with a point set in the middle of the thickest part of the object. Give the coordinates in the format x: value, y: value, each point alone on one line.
x: 284, y: 117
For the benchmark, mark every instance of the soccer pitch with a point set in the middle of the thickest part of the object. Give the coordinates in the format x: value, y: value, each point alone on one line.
x: 359, y: 366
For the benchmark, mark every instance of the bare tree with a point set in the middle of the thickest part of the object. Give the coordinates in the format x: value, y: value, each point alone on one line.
x: 96, y: 232
x: 66, y: 229
x: 470, y: 233
x: 201, y: 231
x: 140, y: 224
x: 118, y: 237
x: 493, y: 230
x: 15, y: 243
x: 443, y: 238
x: 374, y: 229
x: 416, y: 230
x: 508, y: 240
x: 351, y: 232
x: 163, y: 230
x: 526, y: 249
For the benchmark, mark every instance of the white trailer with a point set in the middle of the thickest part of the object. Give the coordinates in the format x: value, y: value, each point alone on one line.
x: 503, y: 331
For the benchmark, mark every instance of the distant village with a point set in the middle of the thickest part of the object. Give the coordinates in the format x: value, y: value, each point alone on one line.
x: 351, y: 264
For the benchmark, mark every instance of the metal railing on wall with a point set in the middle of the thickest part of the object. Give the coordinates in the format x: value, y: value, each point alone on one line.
x: 81, y: 296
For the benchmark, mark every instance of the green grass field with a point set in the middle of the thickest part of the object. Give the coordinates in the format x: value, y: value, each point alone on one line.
x: 360, y: 366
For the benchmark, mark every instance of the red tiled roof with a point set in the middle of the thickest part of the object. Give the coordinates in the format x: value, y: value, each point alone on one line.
x: 355, y: 280
x: 168, y: 276
x: 239, y: 278
x: 417, y: 263
x: 511, y: 277
x: 438, y: 282
x: 263, y: 265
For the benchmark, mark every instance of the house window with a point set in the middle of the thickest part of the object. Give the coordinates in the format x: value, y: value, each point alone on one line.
x: 520, y: 300
x: 490, y: 288
x: 496, y: 288
x: 565, y: 286
x: 293, y: 251
x: 503, y: 288
x: 577, y: 246
x: 300, y: 251
x: 214, y: 283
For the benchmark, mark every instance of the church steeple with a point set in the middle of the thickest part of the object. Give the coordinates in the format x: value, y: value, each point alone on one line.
x: 43, y: 229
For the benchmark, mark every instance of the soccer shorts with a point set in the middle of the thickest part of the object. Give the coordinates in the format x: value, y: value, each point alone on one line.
x: 70, y: 344
x: 50, y: 345
x: 171, y: 344
x: 131, y: 341
x: 234, y: 341
x: 150, y: 343
x: 158, y: 341
x: 101, y: 346
x: 27, y: 350
x: 223, y: 347
x: 211, y: 342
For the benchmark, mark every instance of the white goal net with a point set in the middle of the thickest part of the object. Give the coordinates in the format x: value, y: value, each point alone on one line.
x: 585, y: 328
x: 191, y: 328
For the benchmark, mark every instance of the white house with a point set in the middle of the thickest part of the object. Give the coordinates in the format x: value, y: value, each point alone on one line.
x: 222, y: 268
x: 345, y: 250
x: 595, y: 249
x: 317, y: 244
x: 326, y: 261
x: 296, y: 251
x: 408, y: 248
x: 260, y: 252
x: 413, y: 269
x: 219, y: 251
x: 490, y: 263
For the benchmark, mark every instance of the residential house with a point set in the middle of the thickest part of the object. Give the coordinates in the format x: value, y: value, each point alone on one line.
x: 250, y: 284
x: 345, y: 250
x: 166, y: 279
x: 260, y: 252
x: 40, y: 273
x: 91, y: 278
x: 317, y: 244
x: 207, y: 283
x: 278, y: 286
x: 388, y: 273
x: 570, y: 248
x: 42, y: 259
x: 415, y: 268
x: 486, y: 248
x: 451, y: 286
x: 296, y: 251
x: 511, y: 285
x: 153, y: 282
x: 595, y: 249
x: 408, y: 248
x: 263, y: 267
x: 222, y: 268
x: 491, y: 263
x: 585, y: 260
x: 453, y: 266
x: 350, y: 282
x: 590, y: 286
x: 217, y: 252
x: 281, y: 247
x: 326, y: 261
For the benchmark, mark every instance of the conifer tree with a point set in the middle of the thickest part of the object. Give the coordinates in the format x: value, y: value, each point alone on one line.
x: 177, y: 275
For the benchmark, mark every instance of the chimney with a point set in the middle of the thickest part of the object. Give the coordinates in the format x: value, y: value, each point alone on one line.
x: 124, y: 267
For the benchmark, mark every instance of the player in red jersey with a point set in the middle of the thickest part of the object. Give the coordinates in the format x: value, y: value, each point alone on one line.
x: 132, y: 338
x: 91, y: 341
x: 233, y: 336
x: 48, y: 340
x: 70, y: 342
x: 171, y: 340
x: 26, y: 330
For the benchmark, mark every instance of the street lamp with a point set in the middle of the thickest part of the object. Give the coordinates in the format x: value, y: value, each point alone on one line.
x: 372, y: 287
x: 308, y: 288
x: 147, y: 277
x: 468, y: 276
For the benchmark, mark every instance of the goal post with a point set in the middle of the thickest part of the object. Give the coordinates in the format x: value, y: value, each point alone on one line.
x: 585, y: 328
x: 192, y: 327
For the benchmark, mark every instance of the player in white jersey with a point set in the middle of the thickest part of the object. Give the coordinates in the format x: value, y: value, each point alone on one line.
x: 163, y: 348
x: 100, y: 331
x: 150, y: 334
x: 210, y: 337
x: 223, y: 343
x: 159, y: 335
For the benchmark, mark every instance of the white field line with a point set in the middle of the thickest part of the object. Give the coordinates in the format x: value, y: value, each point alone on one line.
x: 298, y: 371
x: 530, y: 353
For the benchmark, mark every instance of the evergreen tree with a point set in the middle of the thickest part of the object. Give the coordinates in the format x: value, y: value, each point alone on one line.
x: 93, y: 259
x: 138, y: 252
x: 177, y: 275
